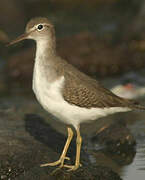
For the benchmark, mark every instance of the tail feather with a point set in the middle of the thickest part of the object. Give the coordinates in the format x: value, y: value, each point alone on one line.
x: 136, y: 106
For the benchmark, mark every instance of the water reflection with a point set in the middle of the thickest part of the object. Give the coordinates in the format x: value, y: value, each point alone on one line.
x: 116, y: 160
x: 136, y: 170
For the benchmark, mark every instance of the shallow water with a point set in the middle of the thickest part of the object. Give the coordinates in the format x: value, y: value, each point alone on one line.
x: 136, y: 170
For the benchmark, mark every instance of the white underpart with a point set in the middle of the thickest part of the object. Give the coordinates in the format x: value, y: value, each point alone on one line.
x: 50, y: 97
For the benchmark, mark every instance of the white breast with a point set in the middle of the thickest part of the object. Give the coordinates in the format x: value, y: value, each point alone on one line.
x: 50, y: 97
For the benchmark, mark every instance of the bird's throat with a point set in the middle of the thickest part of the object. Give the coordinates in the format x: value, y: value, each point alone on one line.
x: 45, y: 49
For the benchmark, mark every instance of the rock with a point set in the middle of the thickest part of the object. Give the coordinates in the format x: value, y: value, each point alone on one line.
x: 28, y: 141
x: 88, y: 173
x: 84, y: 173
x: 116, y: 137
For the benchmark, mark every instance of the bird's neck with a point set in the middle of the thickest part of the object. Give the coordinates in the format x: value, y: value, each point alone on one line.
x: 46, y: 61
x: 45, y: 50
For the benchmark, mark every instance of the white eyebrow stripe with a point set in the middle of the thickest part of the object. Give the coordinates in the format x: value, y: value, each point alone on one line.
x: 44, y: 24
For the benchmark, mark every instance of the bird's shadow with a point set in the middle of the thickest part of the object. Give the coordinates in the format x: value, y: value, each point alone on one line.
x: 36, y: 126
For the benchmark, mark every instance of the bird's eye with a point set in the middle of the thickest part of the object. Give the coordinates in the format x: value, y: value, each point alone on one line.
x: 40, y: 27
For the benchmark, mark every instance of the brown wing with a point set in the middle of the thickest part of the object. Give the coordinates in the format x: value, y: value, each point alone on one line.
x: 83, y: 91
x: 82, y: 95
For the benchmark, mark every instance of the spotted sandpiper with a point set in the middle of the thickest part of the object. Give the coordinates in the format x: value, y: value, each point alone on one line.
x: 64, y: 91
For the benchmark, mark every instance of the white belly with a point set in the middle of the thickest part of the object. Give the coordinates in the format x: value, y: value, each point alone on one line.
x: 49, y: 96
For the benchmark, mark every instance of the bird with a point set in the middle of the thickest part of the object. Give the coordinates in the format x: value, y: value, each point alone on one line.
x: 65, y: 92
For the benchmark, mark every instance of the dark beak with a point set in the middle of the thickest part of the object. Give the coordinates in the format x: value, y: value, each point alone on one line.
x: 18, y: 39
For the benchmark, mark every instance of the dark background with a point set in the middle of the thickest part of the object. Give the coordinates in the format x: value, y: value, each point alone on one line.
x: 106, y: 40
x: 100, y: 37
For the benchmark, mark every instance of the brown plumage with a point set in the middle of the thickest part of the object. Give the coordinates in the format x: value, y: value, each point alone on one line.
x: 80, y: 89
x: 76, y: 88
x: 84, y: 91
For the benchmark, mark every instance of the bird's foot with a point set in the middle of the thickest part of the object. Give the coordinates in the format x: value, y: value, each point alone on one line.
x: 61, y: 164
x: 60, y: 161
x: 72, y: 167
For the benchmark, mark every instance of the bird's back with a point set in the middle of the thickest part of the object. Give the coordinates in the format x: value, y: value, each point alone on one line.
x: 84, y: 91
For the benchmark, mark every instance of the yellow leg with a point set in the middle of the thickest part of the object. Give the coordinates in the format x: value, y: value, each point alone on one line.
x: 78, y: 146
x: 63, y: 155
